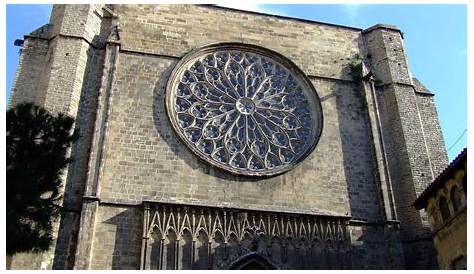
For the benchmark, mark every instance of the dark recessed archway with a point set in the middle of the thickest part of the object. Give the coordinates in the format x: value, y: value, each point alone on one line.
x: 252, y: 261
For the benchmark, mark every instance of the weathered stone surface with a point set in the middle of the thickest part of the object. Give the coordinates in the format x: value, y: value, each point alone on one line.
x: 380, y: 145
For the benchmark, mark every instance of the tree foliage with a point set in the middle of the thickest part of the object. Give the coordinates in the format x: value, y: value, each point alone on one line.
x: 37, y: 144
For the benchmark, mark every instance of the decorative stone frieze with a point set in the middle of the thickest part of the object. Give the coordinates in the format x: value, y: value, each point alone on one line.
x: 196, y: 237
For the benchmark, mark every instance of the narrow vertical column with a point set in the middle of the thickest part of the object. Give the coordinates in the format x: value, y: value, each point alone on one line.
x: 92, y: 189
x: 298, y: 261
x: 145, y: 236
x: 379, y: 142
x: 176, y: 253
x: 284, y: 251
x: 162, y: 249
x: 86, y: 234
x: 388, y: 209
x: 226, y: 251
x: 209, y: 254
x: 148, y: 258
x: 268, y: 241
x: 348, y: 245
x: 193, y: 252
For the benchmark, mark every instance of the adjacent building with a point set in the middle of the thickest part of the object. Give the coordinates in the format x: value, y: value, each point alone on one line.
x: 445, y: 202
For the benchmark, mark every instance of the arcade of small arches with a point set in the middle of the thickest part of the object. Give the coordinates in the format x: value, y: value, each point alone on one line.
x: 193, y: 237
x: 449, y: 200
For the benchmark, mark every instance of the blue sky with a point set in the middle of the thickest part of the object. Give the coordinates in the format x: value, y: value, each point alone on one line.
x: 435, y: 39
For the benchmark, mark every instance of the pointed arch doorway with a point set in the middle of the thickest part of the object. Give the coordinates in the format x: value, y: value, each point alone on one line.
x: 252, y: 261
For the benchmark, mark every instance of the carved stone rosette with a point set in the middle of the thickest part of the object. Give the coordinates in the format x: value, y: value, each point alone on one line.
x: 198, y: 237
x: 243, y: 108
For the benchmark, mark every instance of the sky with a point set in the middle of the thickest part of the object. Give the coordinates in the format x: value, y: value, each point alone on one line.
x: 434, y: 36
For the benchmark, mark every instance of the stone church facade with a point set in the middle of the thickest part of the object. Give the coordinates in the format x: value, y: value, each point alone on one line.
x: 140, y: 195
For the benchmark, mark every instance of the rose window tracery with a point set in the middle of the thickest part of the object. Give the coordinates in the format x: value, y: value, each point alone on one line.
x: 244, y: 109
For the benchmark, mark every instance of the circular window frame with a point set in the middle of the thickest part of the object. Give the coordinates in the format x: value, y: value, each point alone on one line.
x: 186, y: 59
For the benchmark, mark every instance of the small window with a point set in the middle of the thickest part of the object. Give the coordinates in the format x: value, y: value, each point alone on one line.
x: 464, y: 183
x: 459, y: 263
x: 443, y: 207
x: 456, y: 198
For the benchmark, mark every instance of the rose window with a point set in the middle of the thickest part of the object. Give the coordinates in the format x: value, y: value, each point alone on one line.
x: 245, y: 109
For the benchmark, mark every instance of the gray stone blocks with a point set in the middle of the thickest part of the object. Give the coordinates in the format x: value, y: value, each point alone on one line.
x: 128, y: 152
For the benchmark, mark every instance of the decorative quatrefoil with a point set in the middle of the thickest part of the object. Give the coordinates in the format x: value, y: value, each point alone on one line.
x: 244, y: 109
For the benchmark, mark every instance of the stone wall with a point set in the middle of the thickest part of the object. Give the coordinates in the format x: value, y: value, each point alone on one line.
x: 117, y: 240
x: 451, y: 242
x: 406, y: 130
x: 108, y: 66
x: 433, y: 134
x: 338, y: 178
x: 321, y: 50
x: 141, y: 147
x: 34, y: 56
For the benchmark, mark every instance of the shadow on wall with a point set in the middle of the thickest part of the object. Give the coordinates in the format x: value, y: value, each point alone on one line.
x: 127, y: 226
x: 163, y: 125
x: 170, y: 252
x: 360, y: 168
x: 361, y: 174
x: 65, y: 250
x: 163, y: 249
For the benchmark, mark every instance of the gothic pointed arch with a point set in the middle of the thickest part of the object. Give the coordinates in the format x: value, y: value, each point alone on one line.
x: 252, y: 261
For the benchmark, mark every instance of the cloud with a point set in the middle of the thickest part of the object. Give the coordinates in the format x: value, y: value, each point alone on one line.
x: 352, y: 11
x: 257, y: 8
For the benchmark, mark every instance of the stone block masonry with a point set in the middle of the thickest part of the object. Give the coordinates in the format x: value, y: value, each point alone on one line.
x: 108, y: 65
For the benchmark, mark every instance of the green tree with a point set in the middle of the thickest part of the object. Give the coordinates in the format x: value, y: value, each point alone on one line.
x: 37, y: 143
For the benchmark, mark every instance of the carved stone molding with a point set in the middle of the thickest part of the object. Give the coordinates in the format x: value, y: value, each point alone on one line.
x: 213, y: 238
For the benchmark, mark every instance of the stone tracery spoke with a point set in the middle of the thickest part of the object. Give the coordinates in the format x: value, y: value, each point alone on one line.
x: 271, y: 96
x: 262, y: 132
x: 278, y: 110
x: 209, y: 122
x: 300, y: 124
x: 235, y: 93
x: 254, y: 86
x: 238, y: 76
x: 246, y: 131
x: 282, y: 129
x: 212, y: 102
x: 219, y: 90
x: 198, y: 98
x: 229, y: 132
